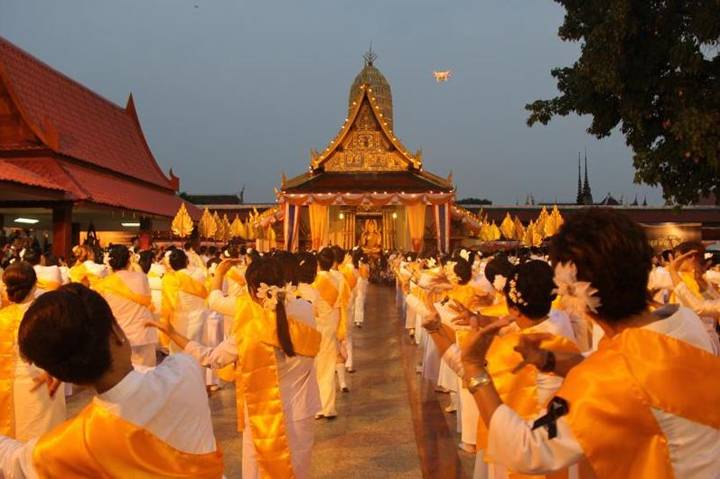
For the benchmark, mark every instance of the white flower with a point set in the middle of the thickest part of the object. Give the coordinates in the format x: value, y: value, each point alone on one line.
x: 499, y: 282
x: 465, y: 254
x: 431, y: 262
x: 578, y: 296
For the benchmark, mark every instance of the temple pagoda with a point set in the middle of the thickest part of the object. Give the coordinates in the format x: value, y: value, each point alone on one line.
x: 365, y: 187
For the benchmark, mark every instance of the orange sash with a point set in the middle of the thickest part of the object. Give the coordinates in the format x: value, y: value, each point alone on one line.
x: 234, y: 275
x: 348, y: 272
x: 259, y: 385
x: 611, y: 395
x: 99, y: 444
x: 47, y: 285
x: 330, y: 293
x: 10, y: 317
x: 115, y: 285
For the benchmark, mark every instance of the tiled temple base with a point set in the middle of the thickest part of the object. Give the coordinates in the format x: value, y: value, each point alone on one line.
x: 390, y: 425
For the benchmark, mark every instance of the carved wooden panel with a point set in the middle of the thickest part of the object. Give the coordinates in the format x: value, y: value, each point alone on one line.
x: 366, y: 148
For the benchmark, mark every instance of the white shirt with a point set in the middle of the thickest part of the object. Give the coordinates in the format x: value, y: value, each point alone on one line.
x: 694, y: 448
x: 170, y: 401
x: 132, y: 316
x: 47, y: 273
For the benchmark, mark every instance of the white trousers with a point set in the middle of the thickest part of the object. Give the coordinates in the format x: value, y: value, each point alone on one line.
x: 325, y: 361
x: 469, y: 414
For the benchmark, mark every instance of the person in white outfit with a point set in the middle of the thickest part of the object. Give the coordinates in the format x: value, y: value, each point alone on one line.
x: 29, y: 408
x: 651, y: 386
x: 291, y: 351
x: 129, y: 296
x: 135, y: 421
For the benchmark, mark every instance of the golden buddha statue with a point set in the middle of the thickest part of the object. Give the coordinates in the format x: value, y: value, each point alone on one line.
x: 370, y: 238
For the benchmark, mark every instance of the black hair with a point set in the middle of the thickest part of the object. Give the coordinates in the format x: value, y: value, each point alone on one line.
x: 530, y: 288
x: 178, y: 259
x: 289, y: 264
x: 339, y: 254
x: 269, y: 271
x: 67, y: 333
x: 499, y: 265
x: 463, y: 270
x: 32, y: 256
x: 119, y: 257
x: 326, y: 259
x: 680, y: 249
x: 359, y: 257
x: 19, y: 279
x: 50, y: 259
x: 307, y: 268
x: 611, y: 252
x: 146, y: 260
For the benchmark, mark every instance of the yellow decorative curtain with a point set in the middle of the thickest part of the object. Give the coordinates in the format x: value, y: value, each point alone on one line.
x: 416, y: 225
x: 319, y: 225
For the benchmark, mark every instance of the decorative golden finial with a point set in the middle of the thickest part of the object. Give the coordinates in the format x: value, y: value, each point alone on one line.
x: 284, y: 179
x: 370, y: 56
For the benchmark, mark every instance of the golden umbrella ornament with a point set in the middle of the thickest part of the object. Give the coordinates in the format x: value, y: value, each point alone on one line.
x: 227, y: 228
x: 207, y: 225
x: 507, y: 227
x: 519, y: 229
x: 236, y: 228
x: 218, y: 236
x: 182, y: 224
x: 494, y: 232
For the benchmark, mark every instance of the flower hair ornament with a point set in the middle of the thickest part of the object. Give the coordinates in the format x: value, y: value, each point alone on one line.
x: 514, y: 294
x: 499, y: 282
x: 578, y: 296
x: 465, y: 254
x: 269, y: 295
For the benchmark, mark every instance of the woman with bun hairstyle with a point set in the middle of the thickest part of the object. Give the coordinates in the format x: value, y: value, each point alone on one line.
x: 29, y: 404
x: 149, y: 424
x: 644, y: 404
x: 86, y: 269
x: 273, y: 342
x: 183, y: 297
x: 128, y: 294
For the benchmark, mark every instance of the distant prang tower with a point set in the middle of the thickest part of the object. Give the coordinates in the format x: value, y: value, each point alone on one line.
x: 584, y: 193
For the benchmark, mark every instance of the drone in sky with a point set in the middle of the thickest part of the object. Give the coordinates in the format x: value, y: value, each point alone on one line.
x: 442, y: 76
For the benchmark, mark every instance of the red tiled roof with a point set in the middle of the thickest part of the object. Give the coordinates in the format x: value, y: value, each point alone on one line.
x: 16, y: 174
x: 76, y: 122
x: 81, y: 183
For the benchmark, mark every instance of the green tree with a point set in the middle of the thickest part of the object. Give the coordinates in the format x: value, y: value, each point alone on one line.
x: 650, y: 68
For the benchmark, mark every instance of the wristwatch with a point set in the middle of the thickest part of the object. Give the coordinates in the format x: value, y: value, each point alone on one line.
x: 474, y: 383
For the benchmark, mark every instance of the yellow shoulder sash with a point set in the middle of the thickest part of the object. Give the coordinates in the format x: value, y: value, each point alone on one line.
x: 259, y: 385
x: 10, y: 317
x: 115, y: 285
x: 96, y: 443
x: 611, y: 395
x: 47, y: 285
x: 327, y: 289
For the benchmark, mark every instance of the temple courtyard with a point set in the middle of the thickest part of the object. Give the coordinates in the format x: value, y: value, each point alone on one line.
x: 390, y: 425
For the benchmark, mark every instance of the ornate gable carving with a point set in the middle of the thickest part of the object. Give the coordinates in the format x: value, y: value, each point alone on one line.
x: 366, y: 147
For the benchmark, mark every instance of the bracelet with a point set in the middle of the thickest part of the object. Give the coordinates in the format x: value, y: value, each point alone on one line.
x: 549, y: 364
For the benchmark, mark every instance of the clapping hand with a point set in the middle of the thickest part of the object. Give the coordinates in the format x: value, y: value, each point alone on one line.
x: 476, y: 347
x: 529, y: 348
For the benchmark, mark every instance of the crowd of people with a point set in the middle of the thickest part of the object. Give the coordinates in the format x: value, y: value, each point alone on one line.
x: 153, y: 333
x: 592, y: 357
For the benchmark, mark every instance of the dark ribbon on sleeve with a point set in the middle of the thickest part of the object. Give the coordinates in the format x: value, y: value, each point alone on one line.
x: 557, y: 408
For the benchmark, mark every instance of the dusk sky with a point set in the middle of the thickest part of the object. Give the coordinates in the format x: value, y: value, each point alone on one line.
x: 233, y: 93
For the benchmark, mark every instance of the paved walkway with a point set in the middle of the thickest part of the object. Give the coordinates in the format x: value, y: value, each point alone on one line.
x: 390, y: 424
